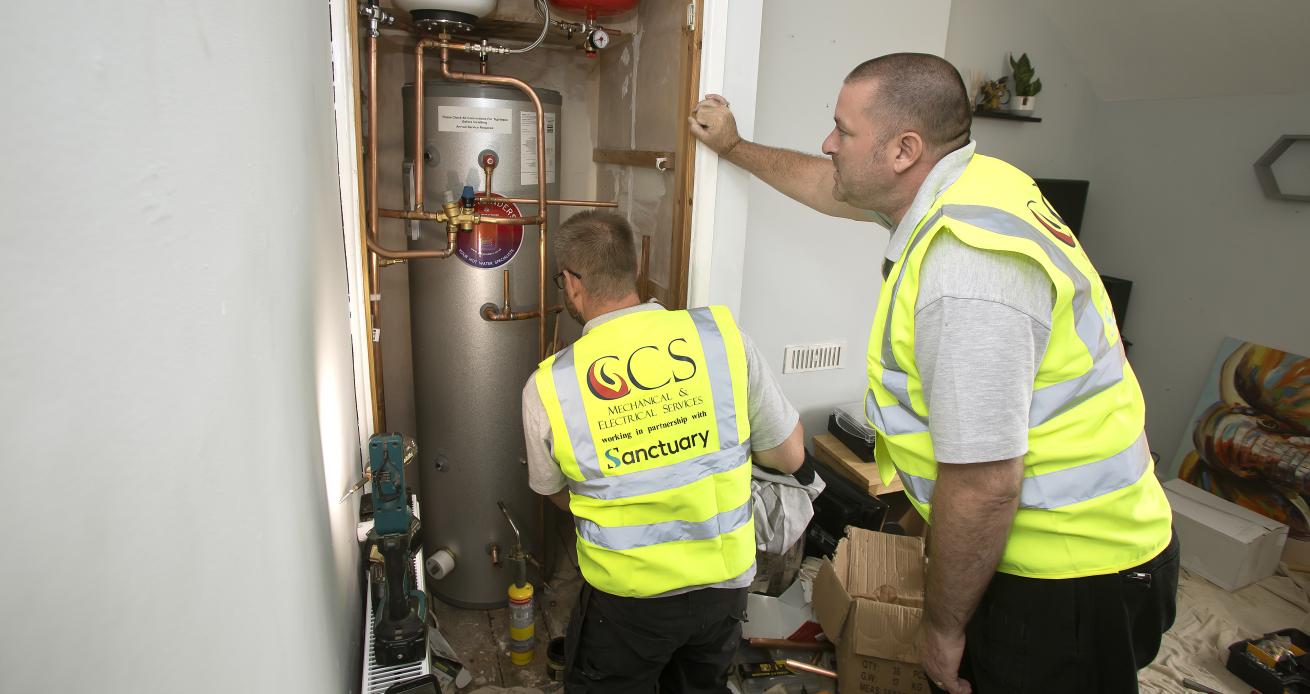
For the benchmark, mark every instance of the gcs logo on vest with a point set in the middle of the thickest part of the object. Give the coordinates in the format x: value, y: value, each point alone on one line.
x: 647, y: 368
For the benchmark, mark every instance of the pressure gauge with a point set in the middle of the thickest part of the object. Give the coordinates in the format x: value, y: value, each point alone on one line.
x: 598, y: 38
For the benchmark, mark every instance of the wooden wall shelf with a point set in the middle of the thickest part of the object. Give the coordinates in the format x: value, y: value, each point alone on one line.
x: 634, y: 157
x: 1006, y: 115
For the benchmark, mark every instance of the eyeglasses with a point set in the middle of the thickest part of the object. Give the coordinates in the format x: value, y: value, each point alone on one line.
x: 559, y: 277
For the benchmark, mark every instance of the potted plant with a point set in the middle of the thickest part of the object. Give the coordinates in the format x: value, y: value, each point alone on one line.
x: 1025, y: 87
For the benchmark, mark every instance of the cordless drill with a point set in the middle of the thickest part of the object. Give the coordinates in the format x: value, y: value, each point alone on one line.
x: 399, y: 634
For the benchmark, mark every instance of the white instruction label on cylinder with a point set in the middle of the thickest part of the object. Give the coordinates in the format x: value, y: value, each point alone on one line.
x: 471, y: 119
x: 528, y: 148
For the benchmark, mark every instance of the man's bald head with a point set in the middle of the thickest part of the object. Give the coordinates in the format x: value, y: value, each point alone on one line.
x: 919, y: 92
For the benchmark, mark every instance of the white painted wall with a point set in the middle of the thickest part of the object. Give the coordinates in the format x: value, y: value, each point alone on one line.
x: 178, y: 411
x: 807, y: 277
x: 982, y: 33
x: 1175, y: 207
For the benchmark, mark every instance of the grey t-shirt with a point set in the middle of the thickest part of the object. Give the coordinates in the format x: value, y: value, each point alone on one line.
x: 981, y: 322
x: 772, y: 419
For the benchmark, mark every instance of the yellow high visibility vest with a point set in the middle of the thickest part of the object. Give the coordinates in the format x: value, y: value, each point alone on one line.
x: 1090, y: 503
x: 649, y: 424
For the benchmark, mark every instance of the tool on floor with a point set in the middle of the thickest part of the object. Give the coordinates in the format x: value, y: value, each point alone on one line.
x: 399, y: 633
x: 522, y: 611
x: 1276, y: 663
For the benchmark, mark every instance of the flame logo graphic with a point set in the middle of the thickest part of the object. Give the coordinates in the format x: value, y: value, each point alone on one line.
x: 1055, y: 226
x: 603, y: 384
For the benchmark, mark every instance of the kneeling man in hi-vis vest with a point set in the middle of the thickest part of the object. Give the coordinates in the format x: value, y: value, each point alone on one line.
x: 998, y: 388
x: 645, y: 429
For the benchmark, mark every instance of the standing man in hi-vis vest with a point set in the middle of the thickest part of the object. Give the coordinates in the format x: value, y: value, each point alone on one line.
x: 999, y: 390
x: 645, y: 429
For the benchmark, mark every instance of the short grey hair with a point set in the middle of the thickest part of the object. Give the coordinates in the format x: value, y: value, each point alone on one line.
x: 599, y: 247
x: 920, y: 92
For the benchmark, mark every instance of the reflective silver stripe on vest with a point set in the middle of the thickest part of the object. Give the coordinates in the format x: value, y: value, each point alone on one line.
x: 662, y: 479
x: 892, y: 419
x: 716, y: 360
x: 1047, y: 402
x: 633, y: 536
x: 900, y: 417
x: 575, y: 416
x: 1064, y: 487
x: 1107, y: 359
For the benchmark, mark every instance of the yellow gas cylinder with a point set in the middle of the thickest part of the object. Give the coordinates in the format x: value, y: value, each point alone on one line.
x: 522, y: 624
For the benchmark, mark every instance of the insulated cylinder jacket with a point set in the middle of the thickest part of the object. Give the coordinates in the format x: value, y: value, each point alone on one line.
x: 1089, y: 503
x: 649, y: 424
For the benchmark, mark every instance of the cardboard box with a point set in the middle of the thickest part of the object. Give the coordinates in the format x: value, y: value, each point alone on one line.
x: 1226, y: 544
x: 869, y: 600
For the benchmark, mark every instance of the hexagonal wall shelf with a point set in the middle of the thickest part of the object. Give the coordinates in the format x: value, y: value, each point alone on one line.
x: 1264, y: 169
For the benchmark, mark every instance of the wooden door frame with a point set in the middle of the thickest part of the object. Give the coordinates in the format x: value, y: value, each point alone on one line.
x: 709, y: 238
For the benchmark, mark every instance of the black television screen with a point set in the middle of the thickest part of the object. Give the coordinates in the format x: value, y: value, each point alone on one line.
x: 1068, y: 197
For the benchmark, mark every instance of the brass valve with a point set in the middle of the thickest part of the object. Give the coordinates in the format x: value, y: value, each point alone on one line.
x: 460, y: 218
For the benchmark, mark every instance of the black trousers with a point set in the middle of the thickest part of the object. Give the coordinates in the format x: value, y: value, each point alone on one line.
x: 1077, y: 635
x: 683, y: 643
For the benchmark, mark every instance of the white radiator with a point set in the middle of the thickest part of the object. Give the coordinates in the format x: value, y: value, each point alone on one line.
x: 378, y: 677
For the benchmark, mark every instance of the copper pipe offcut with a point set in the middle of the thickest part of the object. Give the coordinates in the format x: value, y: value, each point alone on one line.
x: 798, y: 666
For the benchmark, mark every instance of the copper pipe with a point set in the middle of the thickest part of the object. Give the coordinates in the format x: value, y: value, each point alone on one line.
x: 425, y: 216
x: 792, y: 645
x: 510, y: 221
x: 496, y: 314
x: 798, y: 666
x: 491, y: 313
x: 373, y: 288
x: 452, y: 242
x: 414, y: 214
x: 557, y: 203
x: 418, y: 126
x: 445, y: 45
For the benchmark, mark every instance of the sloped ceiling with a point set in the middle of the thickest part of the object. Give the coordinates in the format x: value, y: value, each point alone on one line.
x: 1159, y: 49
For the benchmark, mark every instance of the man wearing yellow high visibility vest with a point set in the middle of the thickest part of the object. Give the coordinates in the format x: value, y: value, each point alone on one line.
x: 645, y: 429
x: 999, y: 390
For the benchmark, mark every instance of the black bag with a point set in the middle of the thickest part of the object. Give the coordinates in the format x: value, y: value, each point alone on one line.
x: 842, y: 504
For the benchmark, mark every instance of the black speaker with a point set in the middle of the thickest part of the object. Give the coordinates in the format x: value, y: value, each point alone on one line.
x: 1118, y: 290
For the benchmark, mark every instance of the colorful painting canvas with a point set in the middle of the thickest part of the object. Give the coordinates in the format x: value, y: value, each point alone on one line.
x: 1249, y: 439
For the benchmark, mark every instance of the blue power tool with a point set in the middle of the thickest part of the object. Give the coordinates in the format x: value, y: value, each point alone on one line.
x: 399, y: 633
